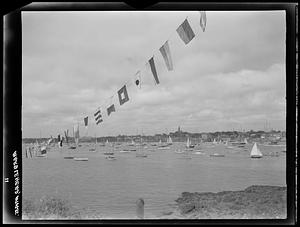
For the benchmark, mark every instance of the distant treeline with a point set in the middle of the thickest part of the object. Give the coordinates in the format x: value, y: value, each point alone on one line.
x: 178, y: 136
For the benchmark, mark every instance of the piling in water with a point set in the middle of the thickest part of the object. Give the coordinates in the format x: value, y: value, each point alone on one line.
x: 30, y: 152
x: 140, y: 208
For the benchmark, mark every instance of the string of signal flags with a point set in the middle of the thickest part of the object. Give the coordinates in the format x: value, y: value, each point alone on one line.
x: 186, y: 34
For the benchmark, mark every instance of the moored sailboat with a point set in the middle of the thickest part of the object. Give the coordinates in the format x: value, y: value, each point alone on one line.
x: 255, y: 152
x: 189, y: 144
x: 169, y: 141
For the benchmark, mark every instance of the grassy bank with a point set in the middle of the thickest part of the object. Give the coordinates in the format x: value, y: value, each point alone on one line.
x: 255, y: 202
x: 52, y: 208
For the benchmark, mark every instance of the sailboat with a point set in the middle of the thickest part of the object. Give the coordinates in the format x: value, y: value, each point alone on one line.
x: 163, y: 146
x: 94, y: 149
x: 169, y: 141
x: 109, y: 152
x: 189, y: 144
x: 132, y: 143
x: 255, y: 152
x: 214, y: 142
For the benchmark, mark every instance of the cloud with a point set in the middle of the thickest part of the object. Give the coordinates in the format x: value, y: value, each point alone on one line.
x: 232, y: 74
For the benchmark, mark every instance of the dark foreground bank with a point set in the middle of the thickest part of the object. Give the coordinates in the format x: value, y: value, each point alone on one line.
x: 255, y: 202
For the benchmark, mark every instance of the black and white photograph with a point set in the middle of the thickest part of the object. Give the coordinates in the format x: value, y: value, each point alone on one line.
x: 154, y: 115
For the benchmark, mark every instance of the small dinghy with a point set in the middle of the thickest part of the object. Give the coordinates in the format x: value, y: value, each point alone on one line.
x: 69, y: 157
x: 81, y: 159
x: 141, y: 155
x: 179, y: 151
x: 41, y: 156
x: 111, y: 158
x: 163, y: 148
x: 217, y: 155
x: 124, y: 151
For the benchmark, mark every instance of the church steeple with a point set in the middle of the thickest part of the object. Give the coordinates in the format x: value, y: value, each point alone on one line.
x: 178, y: 129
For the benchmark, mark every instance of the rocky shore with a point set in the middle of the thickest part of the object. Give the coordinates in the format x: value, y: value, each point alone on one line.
x: 255, y: 202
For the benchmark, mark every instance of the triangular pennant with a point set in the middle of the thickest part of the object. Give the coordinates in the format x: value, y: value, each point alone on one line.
x: 153, y: 70
x: 165, y: 52
x: 123, y: 95
x: 66, y: 135
x: 185, y: 32
x: 76, y: 131
x: 203, y: 20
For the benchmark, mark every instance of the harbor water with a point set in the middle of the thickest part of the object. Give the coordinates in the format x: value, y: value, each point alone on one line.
x: 110, y: 188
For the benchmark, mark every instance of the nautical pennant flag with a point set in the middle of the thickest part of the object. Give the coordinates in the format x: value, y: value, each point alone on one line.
x: 137, y: 79
x: 153, y: 70
x: 165, y: 52
x: 123, y: 95
x: 86, y: 120
x: 98, y: 117
x: 203, y: 20
x: 185, y: 32
x: 66, y: 135
x: 76, y: 131
x: 111, y: 109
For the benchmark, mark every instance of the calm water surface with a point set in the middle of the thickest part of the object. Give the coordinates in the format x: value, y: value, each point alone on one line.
x: 111, y: 188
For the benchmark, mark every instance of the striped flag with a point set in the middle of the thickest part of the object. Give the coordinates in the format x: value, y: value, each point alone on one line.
x: 153, y: 70
x: 98, y: 117
x: 203, y: 20
x: 111, y: 109
x: 185, y: 32
x: 123, y: 95
x: 165, y: 52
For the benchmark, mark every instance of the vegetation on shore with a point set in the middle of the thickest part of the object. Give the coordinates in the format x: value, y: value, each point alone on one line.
x: 51, y: 208
x: 255, y: 202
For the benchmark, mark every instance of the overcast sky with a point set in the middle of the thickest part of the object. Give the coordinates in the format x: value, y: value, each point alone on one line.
x: 232, y: 76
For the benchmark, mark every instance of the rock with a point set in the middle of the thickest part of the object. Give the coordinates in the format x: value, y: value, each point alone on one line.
x: 140, y: 208
x: 167, y: 212
x: 186, y: 207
